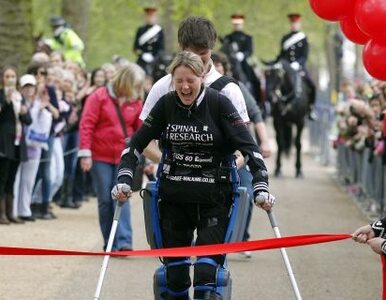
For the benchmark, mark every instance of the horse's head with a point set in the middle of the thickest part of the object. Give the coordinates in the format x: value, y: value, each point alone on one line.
x: 286, y: 90
x: 160, y: 66
x: 40, y: 44
x: 274, y: 78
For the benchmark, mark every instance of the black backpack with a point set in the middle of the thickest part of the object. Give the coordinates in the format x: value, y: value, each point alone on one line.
x: 220, y: 83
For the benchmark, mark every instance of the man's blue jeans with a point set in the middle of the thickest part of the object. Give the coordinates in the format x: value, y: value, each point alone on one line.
x: 44, y: 172
x: 246, y: 181
x: 105, y: 177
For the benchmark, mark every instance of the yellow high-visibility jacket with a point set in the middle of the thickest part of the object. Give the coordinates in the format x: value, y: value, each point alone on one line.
x: 70, y: 44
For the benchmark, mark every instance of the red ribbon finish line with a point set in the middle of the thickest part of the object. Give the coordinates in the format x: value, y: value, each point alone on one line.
x: 214, y: 249
x: 384, y: 277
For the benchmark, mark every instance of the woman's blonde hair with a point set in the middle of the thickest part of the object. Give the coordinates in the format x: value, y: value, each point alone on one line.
x: 128, y: 81
x: 190, y: 60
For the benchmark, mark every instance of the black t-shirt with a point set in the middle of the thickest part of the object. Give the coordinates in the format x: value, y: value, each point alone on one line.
x: 197, y: 140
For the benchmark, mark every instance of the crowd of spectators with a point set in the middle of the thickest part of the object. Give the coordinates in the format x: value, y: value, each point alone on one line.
x: 40, y: 112
x: 360, y: 142
x: 360, y: 116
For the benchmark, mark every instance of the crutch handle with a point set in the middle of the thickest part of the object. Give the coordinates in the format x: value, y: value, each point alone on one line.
x: 260, y: 200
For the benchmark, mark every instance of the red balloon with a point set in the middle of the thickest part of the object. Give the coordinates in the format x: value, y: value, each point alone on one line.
x: 370, y: 15
x: 373, y: 56
x: 352, y: 31
x: 332, y: 10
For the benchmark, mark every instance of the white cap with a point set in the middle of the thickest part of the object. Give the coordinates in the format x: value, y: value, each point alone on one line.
x: 27, y: 79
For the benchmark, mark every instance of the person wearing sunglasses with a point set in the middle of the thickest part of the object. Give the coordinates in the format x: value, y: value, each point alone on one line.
x: 49, y: 100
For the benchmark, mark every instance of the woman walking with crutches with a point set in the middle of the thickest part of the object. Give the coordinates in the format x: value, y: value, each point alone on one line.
x: 199, y: 129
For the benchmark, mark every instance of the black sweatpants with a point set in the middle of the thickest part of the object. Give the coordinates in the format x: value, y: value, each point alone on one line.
x: 178, y: 222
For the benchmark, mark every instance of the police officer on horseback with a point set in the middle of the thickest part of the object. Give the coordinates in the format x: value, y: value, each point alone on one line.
x: 149, y: 41
x: 241, y: 42
x: 238, y: 46
x: 295, y: 49
x: 66, y: 41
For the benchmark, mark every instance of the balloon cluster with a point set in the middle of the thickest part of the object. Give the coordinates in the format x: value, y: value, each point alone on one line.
x: 362, y: 22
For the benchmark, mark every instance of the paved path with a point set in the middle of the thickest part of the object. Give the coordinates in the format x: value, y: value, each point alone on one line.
x: 341, y: 270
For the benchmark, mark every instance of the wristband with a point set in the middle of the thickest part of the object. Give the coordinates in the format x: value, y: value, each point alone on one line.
x: 383, y: 247
x: 378, y: 228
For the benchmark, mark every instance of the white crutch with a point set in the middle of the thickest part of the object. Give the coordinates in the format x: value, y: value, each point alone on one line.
x: 117, y: 213
x: 287, y: 263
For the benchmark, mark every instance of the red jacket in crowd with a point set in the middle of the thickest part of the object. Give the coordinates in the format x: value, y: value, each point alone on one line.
x: 101, y: 133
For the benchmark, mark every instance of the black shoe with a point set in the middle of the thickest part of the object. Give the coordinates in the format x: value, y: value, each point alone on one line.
x: 36, y: 208
x: 77, y: 204
x: 69, y: 204
x: 312, y: 116
x: 299, y: 174
x: 28, y: 219
x: 125, y: 249
x: 46, y: 216
x: 15, y: 220
x: 121, y: 250
x: 278, y: 173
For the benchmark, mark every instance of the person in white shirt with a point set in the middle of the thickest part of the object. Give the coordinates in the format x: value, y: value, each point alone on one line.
x: 37, y: 134
x: 198, y: 35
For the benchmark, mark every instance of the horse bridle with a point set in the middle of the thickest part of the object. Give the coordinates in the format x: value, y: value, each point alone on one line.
x: 278, y: 67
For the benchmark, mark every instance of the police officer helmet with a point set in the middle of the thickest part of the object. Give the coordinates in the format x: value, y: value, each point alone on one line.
x: 294, y: 17
x: 57, y: 21
x: 150, y: 10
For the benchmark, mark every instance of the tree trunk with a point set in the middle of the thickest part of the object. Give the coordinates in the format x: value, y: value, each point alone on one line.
x: 334, y: 56
x: 169, y: 26
x: 358, y: 66
x: 15, y: 33
x: 77, y: 13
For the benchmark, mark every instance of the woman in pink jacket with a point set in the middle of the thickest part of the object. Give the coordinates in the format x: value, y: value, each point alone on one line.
x: 110, y: 117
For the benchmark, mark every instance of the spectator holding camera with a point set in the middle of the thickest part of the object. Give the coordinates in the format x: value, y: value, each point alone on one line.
x: 47, y: 94
x: 13, y: 114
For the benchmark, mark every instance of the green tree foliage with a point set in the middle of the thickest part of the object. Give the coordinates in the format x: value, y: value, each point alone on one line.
x: 112, y: 24
x: 41, y: 12
x: 77, y: 13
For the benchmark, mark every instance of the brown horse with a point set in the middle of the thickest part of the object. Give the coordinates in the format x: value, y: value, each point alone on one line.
x: 40, y: 44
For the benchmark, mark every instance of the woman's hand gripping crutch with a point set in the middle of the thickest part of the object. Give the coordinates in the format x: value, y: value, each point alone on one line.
x: 266, y: 202
x: 121, y: 193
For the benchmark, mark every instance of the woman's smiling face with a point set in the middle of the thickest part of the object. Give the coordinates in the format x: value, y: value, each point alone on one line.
x: 187, y: 84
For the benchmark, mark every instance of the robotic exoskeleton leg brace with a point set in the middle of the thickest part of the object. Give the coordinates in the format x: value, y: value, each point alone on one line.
x: 168, y: 285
